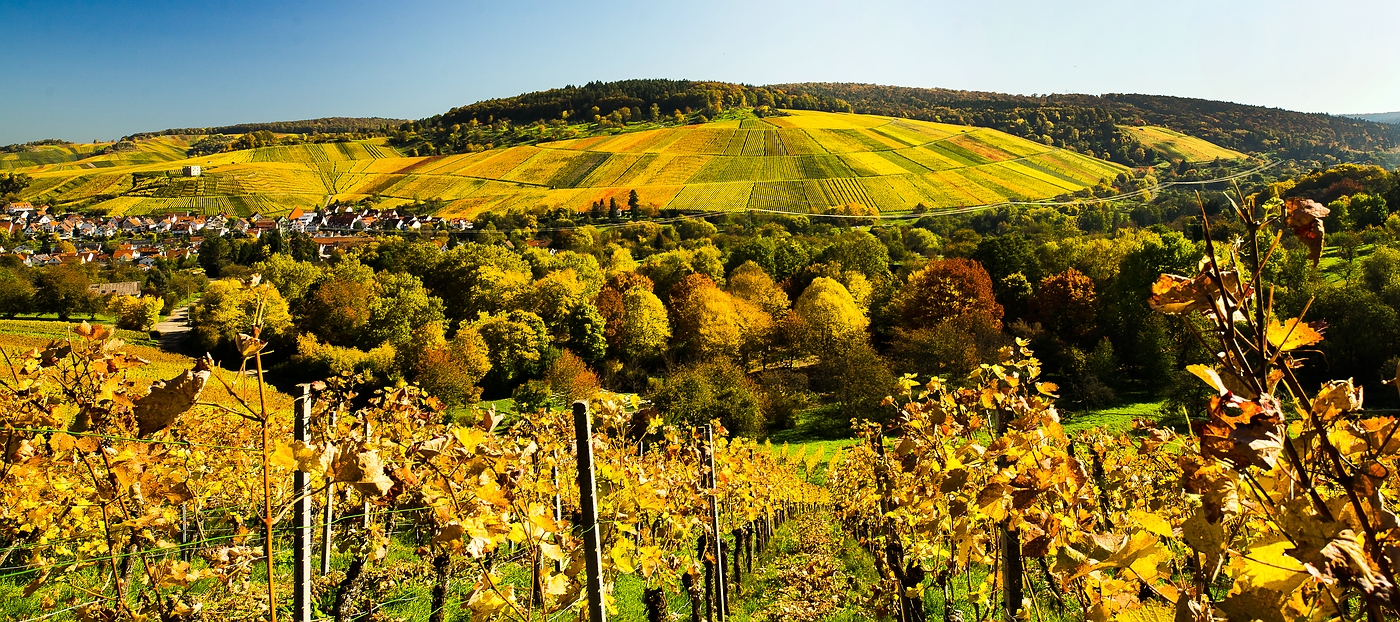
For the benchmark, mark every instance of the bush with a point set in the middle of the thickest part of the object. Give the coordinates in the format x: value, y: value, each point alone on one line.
x: 138, y: 313
x: 715, y: 390
x: 570, y: 379
x: 337, y: 360
x: 531, y: 397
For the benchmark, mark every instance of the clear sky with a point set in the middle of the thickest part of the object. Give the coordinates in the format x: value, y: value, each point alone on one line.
x: 85, y: 70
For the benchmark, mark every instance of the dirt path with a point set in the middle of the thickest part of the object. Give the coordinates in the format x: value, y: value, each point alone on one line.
x: 174, y: 329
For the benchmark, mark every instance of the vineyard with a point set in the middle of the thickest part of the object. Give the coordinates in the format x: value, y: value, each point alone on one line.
x: 141, y: 486
x: 936, y: 165
x: 1178, y: 146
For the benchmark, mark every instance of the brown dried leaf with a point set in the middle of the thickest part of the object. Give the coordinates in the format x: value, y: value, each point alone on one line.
x: 168, y: 400
x: 1304, y: 217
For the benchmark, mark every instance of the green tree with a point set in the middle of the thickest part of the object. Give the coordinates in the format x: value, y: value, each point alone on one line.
x: 63, y: 290
x: 229, y: 307
x: 518, y: 345
x: 213, y: 256
x: 338, y: 307
x: 859, y: 251
x: 292, y: 278
x: 16, y: 294
x: 634, y: 206
x: 399, y: 306
x: 711, y: 390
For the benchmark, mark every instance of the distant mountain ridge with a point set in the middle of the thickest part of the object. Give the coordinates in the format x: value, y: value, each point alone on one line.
x: 325, y: 125
x: 1392, y: 118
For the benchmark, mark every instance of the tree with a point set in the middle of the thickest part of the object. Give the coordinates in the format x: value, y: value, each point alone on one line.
x: 338, y: 307
x: 518, y: 346
x: 292, y: 278
x: 229, y: 307
x: 1008, y: 254
x: 16, y: 294
x: 587, y: 333
x: 828, y: 317
x: 706, y: 322
x: 645, y: 326
x: 1066, y: 304
x: 455, y: 277
x: 12, y: 184
x: 860, y: 251
x: 750, y: 282
x: 946, y: 289
x: 213, y: 256
x: 711, y: 390
x: 451, y: 370
x: 634, y: 206
x: 399, y: 306
x: 136, y: 312
x: 614, y: 214
x: 63, y: 290
x: 570, y: 378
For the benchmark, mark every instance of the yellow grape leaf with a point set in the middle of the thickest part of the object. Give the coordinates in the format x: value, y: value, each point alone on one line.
x: 558, y: 585
x: 62, y: 442
x: 1152, y: 522
x: 469, y: 437
x: 1266, y: 566
x: 1210, y: 376
x: 284, y: 456
x: 621, y: 555
x: 1047, y: 388
x: 485, y: 602
x: 552, y: 551
x: 1292, y: 334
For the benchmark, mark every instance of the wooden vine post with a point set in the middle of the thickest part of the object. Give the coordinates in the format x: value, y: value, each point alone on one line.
x: 1012, y: 566
x: 716, y: 537
x: 588, y: 507
x: 301, y: 520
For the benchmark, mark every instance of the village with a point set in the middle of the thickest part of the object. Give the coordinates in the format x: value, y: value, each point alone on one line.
x: 40, y: 236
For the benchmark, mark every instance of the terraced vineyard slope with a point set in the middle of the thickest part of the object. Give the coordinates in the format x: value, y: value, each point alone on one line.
x: 803, y: 162
x: 1178, y: 146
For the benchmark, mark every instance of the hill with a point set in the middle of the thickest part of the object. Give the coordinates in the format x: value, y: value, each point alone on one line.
x: 1088, y: 123
x: 1392, y: 118
x: 328, y: 125
x: 1253, y: 129
x: 803, y: 161
x: 1177, y: 146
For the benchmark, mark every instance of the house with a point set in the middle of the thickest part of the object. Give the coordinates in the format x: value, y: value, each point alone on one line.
x: 191, y: 171
x: 128, y: 288
x: 326, y: 245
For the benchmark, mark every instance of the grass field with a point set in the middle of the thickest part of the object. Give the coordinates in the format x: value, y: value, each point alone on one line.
x: 804, y: 162
x: 1178, y: 146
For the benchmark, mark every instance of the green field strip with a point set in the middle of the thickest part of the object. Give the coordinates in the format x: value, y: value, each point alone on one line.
x: 638, y: 168
x: 921, y: 132
x: 781, y: 195
x: 778, y: 168
x: 930, y: 159
x: 755, y: 124
x: 956, y: 153
x: 844, y: 190
x: 823, y: 167
x: 903, y: 185
x: 874, y: 140
x: 773, y: 144
x: 736, y: 143
x: 606, y: 173
x: 576, y: 170
x: 756, y: 143
x: 896, y: 158
x: 867, y: 164
x: 726, y: 169
x: 544, y: 165
x: 1022, y: 167
x: 799, y: 142
x: 702, y: 141
x: 973, y: 144
x: 895, y: 138
x: 722, y: 197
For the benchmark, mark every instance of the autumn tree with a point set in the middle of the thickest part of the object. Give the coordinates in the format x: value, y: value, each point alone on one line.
x: 570, y: 378
x: 750, y: 282
x: 449, y: 370
x: 1066, y: 304
x: 338, y: 307
x: 230, y: 307
x: 706, y: 324
x: 518, y: 345
x: 645, y: 326
x: 946, y: 289
x: 826, y: 316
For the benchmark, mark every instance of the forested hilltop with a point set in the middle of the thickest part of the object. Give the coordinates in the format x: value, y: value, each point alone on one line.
x: 372, y: 126
x: 1087, y: 123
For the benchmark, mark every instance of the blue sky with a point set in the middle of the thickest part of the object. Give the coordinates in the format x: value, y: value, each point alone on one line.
x: 85, y: 70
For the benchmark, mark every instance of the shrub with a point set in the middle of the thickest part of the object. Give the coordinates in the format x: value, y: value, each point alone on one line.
x: 136, y: 312
x: 715, y: 390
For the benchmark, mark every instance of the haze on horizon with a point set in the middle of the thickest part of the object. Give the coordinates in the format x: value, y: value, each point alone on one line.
x: 100, y: 70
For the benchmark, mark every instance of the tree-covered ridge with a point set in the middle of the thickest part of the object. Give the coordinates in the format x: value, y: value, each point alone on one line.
x: 374, y: 126
x: 1295, y: 135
